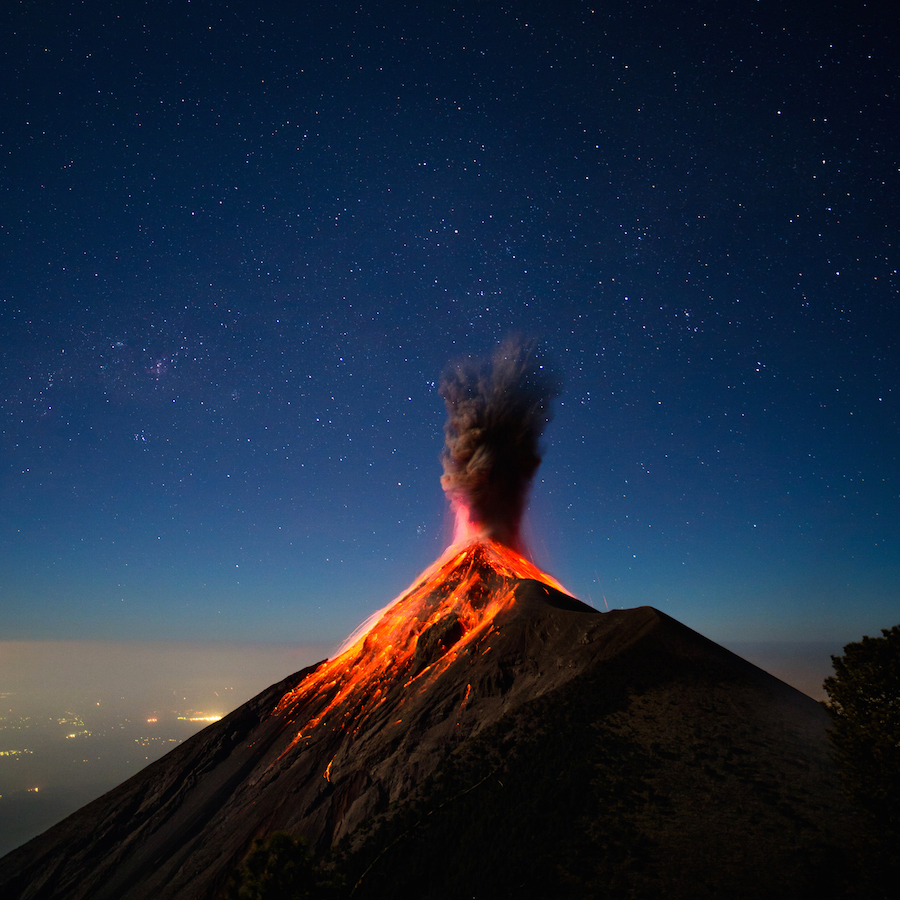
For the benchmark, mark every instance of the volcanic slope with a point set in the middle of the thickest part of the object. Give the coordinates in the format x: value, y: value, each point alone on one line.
x: 489, y: 736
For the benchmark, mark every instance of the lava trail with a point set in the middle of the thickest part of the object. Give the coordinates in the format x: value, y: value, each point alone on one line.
x: 449, y: 609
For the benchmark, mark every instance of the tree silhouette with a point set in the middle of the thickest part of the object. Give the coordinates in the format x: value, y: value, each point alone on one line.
x: 864, y: 706
x: 281, y: 867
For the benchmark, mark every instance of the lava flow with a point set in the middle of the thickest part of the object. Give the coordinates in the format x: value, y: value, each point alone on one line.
x: 450, y: 610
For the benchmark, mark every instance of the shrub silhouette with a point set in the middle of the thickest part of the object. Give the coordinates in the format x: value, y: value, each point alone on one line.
x: 281, y: 867
x: 864, y: 707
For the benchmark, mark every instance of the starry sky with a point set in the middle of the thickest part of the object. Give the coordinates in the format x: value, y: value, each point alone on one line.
x: 241, y: 241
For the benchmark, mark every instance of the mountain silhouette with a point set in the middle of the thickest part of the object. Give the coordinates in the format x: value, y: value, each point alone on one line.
x: 488, y: 736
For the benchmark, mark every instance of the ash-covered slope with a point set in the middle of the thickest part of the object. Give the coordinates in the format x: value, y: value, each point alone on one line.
x: 665, y: 767
x: 488, y: 736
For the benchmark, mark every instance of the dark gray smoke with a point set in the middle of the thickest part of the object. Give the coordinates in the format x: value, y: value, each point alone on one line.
x: 496, y: 413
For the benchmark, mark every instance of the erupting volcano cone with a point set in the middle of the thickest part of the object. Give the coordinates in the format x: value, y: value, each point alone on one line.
x: 488, y: 735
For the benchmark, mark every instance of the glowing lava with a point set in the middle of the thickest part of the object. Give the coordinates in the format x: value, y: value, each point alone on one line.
x: 450, y: 610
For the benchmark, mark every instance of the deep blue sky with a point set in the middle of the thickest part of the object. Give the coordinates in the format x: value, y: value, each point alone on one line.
x: 240, y: 242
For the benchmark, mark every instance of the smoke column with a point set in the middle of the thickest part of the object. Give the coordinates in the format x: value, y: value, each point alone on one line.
x: 496, y: 414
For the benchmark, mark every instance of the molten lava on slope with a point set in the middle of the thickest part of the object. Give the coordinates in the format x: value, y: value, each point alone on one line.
x: 449, y: 610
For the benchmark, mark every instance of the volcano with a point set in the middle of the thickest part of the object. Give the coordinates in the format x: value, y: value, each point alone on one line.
x: 487, y: 735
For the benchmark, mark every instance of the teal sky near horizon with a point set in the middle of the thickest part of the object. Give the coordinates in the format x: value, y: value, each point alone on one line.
x: 241, y: 245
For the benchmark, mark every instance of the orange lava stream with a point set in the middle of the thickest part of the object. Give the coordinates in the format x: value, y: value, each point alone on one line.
x: 447, y: 610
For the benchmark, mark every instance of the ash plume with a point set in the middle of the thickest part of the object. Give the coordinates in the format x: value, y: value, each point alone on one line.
x: 496, y: 413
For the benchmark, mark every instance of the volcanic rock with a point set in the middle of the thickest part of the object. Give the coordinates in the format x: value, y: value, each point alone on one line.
x: 548, y: 750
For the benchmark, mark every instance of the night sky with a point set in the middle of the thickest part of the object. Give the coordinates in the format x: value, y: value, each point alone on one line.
x: 241, y: 242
